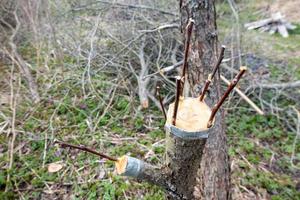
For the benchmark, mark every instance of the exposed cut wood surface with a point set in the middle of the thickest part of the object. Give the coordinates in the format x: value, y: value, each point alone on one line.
x: 192, y: 114
x: 121, y: 165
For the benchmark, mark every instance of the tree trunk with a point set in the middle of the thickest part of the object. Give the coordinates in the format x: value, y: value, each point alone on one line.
x: 213, y: 180
x: 197, y: 163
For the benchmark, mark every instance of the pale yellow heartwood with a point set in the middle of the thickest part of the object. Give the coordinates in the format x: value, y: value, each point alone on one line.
x: 192, y: 114
x: 121, y: 164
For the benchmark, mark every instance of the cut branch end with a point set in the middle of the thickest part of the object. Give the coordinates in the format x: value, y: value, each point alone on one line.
x: 121, y: 164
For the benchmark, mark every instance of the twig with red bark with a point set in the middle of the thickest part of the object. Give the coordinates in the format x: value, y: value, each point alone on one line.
x: 226, y: 94
x: 86, y: 149
x: 211, y: 76
x: 178, y: 92
x: 189, y: 29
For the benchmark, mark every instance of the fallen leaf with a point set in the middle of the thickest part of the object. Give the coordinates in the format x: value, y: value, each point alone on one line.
x: 54, y: 167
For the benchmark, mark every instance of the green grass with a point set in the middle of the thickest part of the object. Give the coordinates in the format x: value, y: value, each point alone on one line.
x: 261, y: 146
x: 68, y: 115
x: 261, y: 142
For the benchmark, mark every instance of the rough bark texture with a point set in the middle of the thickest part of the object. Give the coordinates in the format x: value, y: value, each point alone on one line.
x: 197, y: 168
x: 154, y: 175
x: 213, y: 177
x: 183, y: 159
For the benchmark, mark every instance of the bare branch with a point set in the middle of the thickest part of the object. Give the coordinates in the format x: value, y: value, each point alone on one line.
x: 178, y: 91
x: 133, y: 6
x: 278, y: 85
x: 189, y: 29
x: 211, y: 76
x: 18, y: 59
x: 162, y: 27
x: 143, y: 83
x: 165, y: 69
x: 86, y: 149
x: 221, y: 101
x: 251, y: 103
x: 161, y: 101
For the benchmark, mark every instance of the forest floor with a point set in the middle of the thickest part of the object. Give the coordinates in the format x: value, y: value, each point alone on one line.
x: 264, y: 150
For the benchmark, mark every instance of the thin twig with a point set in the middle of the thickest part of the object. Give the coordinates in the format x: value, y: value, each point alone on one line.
x: 189, y: 29
x: 243, y: 95
x: 178, y: 91
x: 211, y: 76
x: 13, y: 106
x: 226, y: 94
x: 164, y: 70
x: 19, y: 60
x: 220, y: 59
x: 281, y: 86
x: 86, y: 149
x: 205, y: 88
x: 123, y: 5
x: 162, y: 27
x: 161, y: 101
x: 297, y: 137
x: 51, y: 129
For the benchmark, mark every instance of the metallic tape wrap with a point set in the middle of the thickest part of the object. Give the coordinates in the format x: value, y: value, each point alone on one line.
x: 186, y: 134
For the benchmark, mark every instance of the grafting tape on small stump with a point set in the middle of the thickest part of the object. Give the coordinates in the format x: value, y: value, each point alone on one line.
x: 133, y: 167
x: 187, y: 135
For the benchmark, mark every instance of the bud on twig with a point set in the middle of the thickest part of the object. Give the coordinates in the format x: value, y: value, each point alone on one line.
x: 211, y: 76
x: 226, y: 94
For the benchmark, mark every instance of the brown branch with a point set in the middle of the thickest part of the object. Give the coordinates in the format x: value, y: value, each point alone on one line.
x: 205, y: 88
x: 86, y: 149
x: 189, y: 29
x: 221, y: 56
x: 282, y: 86
x: 226, y: 94
x: 19, y: 60
x: 244, y: 96
x: 143, y: 171
x: 178, y: 91
x: 123, y: 5
x: 161, y: 101
x: 211, y: 76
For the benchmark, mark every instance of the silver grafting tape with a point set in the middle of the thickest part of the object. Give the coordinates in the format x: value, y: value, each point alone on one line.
x: 134, y: 167
x: 194, y: 135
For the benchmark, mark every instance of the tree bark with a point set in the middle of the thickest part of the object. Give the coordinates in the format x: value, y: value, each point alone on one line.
x: 197, y: 163
x: 183, y: 159
x: 213, y: 180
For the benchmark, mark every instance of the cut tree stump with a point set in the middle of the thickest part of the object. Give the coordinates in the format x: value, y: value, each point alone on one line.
x: 185, y: 143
